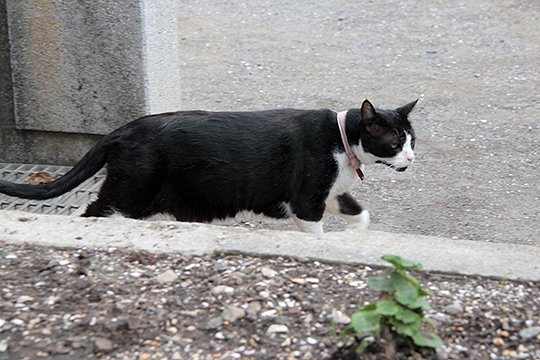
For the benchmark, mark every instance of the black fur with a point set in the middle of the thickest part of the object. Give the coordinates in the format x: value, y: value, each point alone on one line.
x: 201, y: 166
x: 348, y: 205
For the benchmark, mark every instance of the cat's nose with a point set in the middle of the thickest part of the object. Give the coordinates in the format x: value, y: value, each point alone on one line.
x: 410, y: 158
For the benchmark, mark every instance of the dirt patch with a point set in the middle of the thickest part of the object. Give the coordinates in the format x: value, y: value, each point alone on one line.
x: 83, y: 304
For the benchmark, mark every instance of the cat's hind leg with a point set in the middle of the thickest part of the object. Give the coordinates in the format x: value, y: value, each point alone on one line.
x: 98, y: 208
x: 347, y: 208
x: 122, y: 195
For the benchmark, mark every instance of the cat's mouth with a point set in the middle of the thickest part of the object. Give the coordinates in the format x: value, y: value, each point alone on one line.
x: 400, y: 169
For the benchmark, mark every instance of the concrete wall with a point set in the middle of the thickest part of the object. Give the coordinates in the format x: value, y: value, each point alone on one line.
x: 80, y: 70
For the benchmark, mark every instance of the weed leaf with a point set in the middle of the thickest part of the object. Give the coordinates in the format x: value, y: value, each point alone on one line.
x: 387, y: 307
x: 406, y: 293
x: 365, y: 321
x: 408, y: 316
x: 427, y: 339
x: 401, y: 263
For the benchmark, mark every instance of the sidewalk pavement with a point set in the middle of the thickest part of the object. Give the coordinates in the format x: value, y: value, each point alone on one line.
x: 508, y: 261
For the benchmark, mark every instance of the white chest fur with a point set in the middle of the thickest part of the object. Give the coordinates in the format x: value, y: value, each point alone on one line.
x: 346, y: 177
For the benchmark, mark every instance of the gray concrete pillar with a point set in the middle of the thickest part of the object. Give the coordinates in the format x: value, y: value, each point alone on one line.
x: 87, y: 67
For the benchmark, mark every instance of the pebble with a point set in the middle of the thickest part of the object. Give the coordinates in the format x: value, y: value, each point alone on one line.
x: 253, y: 308
x: 530, y: 332
x: 218, y: 279
x: 287, y: 342
x: 185, y: 284
x: 340, y: 318
x: 232, y: 313
x: 103, y: 345
x: 290, y: 303
x: 454, y: 309
x: 220, y: 266
x: 510, y: 353
x: 167, y: 277
x: 51, y: 300
x: 214, y: 323
x: 222, y: 289
x: 238, y: 277
x: 277, y: 328
x: 269, y: 313
x: 191, y: 266
x: 176, y: 356
x: 192, y: 313
x: 4, y: 345
x: 17, y: 322
x: 93, y: 321
x: 298, y: 281
x: 282, y: 319
x: 24, y: 299
x: 268, y: 272
x: 443, y: 318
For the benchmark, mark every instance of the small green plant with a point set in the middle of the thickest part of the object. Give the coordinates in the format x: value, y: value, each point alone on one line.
x: 276, y: 305
x: 399, y: 312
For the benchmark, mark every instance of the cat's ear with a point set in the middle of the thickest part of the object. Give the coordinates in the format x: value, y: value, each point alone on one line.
x: 374, y: 123
x: 406, y: 109
x: 368, y: 112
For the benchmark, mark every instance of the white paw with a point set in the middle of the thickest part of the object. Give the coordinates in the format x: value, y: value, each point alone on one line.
x: 363, y: 221
x: 313, y: 227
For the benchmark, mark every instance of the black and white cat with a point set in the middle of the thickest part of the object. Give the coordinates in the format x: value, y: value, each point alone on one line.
x: 201, y: 166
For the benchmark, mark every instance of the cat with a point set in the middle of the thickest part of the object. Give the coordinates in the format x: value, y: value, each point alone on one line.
x: 202, y: 166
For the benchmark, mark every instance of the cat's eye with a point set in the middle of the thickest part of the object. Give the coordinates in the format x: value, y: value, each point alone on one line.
x: 394, y: 146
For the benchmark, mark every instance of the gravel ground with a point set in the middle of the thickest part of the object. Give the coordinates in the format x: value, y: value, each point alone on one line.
x: 83, y: 304
x: 474, y: 65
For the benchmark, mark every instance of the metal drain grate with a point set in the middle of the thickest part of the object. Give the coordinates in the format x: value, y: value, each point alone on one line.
x: 71, y: 203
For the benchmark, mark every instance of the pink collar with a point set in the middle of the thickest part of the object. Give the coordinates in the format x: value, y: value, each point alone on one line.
x: 354, y: 162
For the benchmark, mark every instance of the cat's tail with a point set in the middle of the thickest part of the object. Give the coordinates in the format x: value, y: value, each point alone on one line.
x: 90, y: 164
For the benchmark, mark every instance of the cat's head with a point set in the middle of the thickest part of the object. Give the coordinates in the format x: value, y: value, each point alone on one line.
x: 387, y: 136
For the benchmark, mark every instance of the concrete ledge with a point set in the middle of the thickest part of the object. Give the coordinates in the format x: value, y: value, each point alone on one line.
x: 436, y: 254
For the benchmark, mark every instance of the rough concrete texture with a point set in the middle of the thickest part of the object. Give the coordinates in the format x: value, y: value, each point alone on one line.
x: 90, y: 67
x: 76, y: 65
x: 161, y: 56
x: 19, y: 146
x: 436, y: 254
x: 82, y: 68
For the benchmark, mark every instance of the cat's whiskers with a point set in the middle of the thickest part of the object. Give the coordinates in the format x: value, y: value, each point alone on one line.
x: 389, y: 172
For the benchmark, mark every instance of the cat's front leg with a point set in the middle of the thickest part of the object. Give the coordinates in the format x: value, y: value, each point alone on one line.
x: 307, y: 214
x: 347, y: 208
x: 313, y: 227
